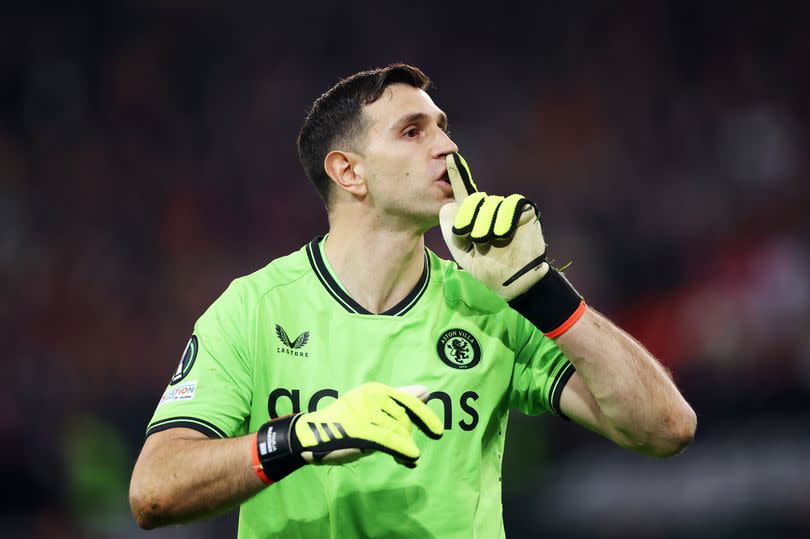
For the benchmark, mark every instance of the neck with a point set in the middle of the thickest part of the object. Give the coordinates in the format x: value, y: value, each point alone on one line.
x: 377, y: 266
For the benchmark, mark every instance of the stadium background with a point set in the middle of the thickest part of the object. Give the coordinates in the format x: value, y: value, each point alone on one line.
x: 147, y: 157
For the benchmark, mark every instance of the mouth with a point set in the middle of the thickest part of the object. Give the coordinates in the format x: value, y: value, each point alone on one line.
x: 444, y: 178
x: 444, y: 184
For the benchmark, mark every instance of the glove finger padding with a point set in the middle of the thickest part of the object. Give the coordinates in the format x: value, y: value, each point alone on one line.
x: 513, y: 212
x: 419, y: 414
x: 468, y: 213
x: 382, y: 434
x: 397, y: 412
x: 484, y: 219
x: 491, y: 217
x: 392, y: 436
x: 498, y: 240
x: 371, y: 417
x: 368, y: 418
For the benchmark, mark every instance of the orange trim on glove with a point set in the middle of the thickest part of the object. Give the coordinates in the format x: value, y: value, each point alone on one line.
x: 576, y: 315
x: 257, y: 465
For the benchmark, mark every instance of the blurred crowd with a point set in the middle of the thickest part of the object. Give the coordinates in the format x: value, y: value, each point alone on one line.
x: 147, y: 157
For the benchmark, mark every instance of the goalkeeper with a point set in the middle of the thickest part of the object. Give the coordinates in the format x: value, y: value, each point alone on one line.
x: 360, y: 386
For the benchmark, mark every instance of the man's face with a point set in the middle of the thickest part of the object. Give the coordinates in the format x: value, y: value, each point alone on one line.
x: 404, y: 155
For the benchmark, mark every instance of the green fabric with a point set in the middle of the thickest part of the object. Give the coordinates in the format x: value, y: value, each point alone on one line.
x: 283, y: 340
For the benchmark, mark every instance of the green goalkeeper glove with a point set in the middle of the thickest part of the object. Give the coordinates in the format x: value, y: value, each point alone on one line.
x: 500, y: 242
x: 497, y: 239
x: 370, y: 417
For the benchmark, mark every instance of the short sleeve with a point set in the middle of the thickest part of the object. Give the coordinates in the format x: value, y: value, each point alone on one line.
x: 539, y: 373
x: 211, y: 389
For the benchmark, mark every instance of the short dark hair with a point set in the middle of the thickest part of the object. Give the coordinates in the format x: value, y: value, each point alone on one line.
x: 336, y: 119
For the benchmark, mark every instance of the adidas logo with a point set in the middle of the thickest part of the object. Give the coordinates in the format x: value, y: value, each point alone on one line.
x: 333, y: 434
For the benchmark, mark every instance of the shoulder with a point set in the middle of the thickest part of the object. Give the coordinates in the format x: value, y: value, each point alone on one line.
x: 459, y: 287
x: 278, y: 273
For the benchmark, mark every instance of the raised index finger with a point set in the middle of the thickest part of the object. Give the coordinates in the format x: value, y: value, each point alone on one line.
x: 460, y: 177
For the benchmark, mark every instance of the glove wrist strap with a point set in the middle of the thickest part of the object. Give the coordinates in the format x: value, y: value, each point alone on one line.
x: 551, y: 304
x: 275, y: 456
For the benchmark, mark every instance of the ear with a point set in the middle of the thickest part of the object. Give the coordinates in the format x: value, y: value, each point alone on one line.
x: 343, y: 168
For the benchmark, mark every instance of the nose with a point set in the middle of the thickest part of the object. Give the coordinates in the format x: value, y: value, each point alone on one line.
x: 444, y: 145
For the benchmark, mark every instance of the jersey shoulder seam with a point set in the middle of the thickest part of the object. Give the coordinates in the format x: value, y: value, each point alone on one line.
x: 243, y: 280
x: 273, y: 288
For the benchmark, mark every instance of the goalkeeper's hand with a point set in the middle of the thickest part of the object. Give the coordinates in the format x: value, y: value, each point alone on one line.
x: 371, y: 417
x: 497, y: 239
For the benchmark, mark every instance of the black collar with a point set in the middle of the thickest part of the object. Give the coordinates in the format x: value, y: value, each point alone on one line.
x: 319, y: 267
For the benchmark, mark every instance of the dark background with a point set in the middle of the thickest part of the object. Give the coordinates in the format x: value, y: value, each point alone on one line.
x: 147, y: 158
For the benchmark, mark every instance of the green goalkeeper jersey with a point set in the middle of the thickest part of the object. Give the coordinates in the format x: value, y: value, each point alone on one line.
x: 288, y: 338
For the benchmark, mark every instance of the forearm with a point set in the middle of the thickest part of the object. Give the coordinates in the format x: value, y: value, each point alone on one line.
x: 183, y: 477
x: 619, y: 389
x: 639, y: 406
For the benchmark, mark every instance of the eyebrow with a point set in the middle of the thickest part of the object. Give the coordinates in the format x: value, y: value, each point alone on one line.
x: 419, y: 117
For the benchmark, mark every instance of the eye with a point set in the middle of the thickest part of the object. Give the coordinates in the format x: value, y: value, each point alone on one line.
x: 413, y: 132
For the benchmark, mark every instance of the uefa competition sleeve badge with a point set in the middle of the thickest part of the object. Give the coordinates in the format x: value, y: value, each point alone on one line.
x: 459, y: 349
x: 187, y: 361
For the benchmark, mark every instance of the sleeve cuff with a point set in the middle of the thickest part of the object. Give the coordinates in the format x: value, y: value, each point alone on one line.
x: 556, y: 391
x: 200, y: 425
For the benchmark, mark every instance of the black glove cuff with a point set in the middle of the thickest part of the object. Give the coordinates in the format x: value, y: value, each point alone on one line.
x: 552, y: 304
x: 274, y: 443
